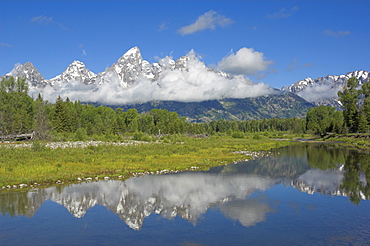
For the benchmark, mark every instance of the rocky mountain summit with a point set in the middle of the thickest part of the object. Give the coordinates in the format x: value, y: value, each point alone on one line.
x: 30, y: 73
x: 77, y: 71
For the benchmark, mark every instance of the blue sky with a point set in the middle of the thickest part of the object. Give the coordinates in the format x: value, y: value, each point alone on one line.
x: 274, y: 42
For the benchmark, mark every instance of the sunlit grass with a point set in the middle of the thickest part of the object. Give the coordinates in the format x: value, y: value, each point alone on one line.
x: 44, y: 165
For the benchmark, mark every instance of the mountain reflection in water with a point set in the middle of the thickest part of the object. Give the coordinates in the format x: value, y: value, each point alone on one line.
x: 187, y: 195
x: 306, y: 167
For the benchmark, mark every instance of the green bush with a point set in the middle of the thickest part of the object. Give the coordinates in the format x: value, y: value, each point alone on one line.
x: 81, y: 134
x: 140, y: 136
x: 176, y: 138
x: 237, y: 134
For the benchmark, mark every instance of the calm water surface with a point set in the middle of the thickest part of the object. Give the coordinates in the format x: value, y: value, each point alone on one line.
x: 304, y: 194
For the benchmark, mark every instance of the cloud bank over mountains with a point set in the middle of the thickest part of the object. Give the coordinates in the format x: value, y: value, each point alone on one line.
x: 134, y: 80
x: 319, y: 92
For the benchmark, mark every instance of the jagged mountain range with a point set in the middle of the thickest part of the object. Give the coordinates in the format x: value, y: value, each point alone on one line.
x: 127, y: 70
x: 332, y: 80
x: 187, y: 86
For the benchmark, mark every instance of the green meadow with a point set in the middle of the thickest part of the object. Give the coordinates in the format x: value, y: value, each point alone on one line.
x: 40, y: 164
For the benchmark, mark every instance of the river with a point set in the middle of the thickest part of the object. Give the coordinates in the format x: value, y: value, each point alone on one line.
x: 303, y: 194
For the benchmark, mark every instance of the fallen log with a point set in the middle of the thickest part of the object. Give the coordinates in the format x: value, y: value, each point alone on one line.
x: 18, y: 137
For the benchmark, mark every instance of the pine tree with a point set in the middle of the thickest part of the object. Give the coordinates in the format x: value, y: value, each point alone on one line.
x: 366, y: 103
x: 362, y: 125
x: 41, y: 122
x: 60, y: 118
x: 349, y: 99
x: 16, y: 107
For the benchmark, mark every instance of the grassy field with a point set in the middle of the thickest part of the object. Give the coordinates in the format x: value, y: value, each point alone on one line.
x: 43, y: 165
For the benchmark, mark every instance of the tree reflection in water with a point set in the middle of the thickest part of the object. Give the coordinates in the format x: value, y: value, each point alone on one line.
x: 357, y: 177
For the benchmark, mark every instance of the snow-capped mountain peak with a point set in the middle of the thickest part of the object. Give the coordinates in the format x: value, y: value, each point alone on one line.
x: 182, y: 63
x: 133, y: 53
x: 129, y: 67
x: 75, y: 72
x: 29, y: 72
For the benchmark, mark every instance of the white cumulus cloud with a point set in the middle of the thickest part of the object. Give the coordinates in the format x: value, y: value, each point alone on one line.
x: 209, y: 20
x: 245, y: 61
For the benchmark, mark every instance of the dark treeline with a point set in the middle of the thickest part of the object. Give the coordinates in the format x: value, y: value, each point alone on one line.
x: 19, y: 113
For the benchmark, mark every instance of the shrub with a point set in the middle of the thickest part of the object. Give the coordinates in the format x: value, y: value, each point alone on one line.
x: 237, y: 134
x: 140, y: 136
x: 37, y: 146
x: 81, y: 134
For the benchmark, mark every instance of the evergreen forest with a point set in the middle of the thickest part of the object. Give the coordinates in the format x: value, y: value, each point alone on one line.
x: 19, y: 113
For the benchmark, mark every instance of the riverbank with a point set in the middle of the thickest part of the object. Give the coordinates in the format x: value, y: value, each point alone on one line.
x: 37, y: 163
x: 357, y: 140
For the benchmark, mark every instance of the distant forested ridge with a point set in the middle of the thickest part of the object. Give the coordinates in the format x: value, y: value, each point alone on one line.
x: 279, y: 105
